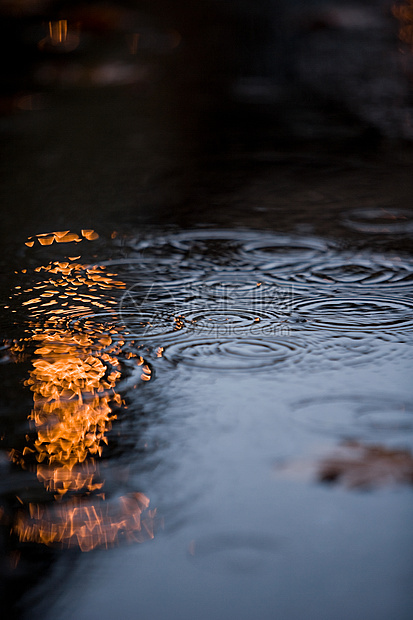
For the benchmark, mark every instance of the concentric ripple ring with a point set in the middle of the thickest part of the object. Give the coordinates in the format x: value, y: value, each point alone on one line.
x: 357, y: 416
x: 356, y: 313
x: 234, y: 354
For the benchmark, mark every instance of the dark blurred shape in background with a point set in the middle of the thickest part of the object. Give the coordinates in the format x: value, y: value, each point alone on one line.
x: 268, y: 58
x: 128, y: 102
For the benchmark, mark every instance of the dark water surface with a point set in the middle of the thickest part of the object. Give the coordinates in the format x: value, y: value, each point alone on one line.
x: 198, y: 315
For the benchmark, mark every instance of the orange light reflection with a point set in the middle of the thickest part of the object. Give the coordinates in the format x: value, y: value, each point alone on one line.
x: 61, y: 37
x: 87, y: 525
x: 73, y: 379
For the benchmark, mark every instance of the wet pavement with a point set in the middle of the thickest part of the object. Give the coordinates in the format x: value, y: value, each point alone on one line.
x: 207, y: 327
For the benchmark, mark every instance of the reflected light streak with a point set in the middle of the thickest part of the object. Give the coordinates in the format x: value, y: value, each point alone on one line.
x: 87, y: 525
x: 60, y: 37
x: 73, y: 379
x: 58, y: 31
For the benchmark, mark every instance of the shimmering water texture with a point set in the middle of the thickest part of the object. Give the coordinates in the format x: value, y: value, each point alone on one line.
x: 223, y: 299
x: 357, y: 313
x: 75, y: 366
x: 215, y: 301
x: 234, y: 300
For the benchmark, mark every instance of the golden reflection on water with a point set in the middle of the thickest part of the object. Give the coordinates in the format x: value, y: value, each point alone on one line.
x: 62, y: 236
x: 75, y: 370
x: 88, y: 525
x: 73, y: 382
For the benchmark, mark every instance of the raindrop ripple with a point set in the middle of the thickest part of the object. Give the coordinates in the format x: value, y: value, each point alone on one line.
x: 234, y: 354
x: 356, y: 313
x: 359, y: 416
x: 379, y: 220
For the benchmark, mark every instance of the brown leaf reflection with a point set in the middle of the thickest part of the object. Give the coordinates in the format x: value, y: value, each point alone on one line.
x: 357, y: 465
x: 354, y: 465
x: 74, y: 374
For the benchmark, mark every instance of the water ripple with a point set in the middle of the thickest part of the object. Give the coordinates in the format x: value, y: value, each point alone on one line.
x: 150, y: 323
x: 384, y: 220
x: 283, y: 251
x: 357, y: 415
x: 234, y: 321
x: 168, y: 272
x: 356, y: 313
x: 234, y: 354
x: 197, y: 255
x: 186, y: 248
x: 347, y: 269
x: 239, y: 553
x: 357, y: 349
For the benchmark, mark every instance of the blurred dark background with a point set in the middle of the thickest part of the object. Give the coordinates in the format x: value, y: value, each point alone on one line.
x: 154, y: 110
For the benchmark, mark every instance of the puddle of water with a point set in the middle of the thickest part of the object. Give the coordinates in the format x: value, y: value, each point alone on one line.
x: 245, y: 300
x: 74, y: 369
x: 197, y: 347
